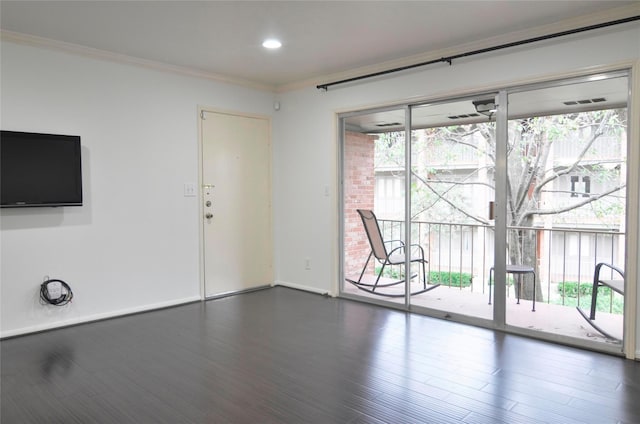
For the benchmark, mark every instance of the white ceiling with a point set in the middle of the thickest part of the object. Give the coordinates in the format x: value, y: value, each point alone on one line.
x: 322, y: 40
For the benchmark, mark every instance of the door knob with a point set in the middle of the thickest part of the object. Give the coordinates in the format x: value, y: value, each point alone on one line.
x: 208, y: 215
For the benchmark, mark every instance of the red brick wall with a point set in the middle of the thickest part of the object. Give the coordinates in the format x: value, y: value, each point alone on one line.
x: 359, y: 186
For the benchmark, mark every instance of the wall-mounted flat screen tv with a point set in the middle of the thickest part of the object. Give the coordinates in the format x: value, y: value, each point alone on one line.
x: 39, y: 170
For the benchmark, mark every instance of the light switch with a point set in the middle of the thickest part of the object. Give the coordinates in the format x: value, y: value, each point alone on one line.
x: 189, y: 189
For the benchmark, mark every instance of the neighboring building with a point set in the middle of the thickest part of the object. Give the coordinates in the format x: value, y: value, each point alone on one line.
x: 464, y: 175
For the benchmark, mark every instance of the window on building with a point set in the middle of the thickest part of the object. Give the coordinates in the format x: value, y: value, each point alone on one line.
x: 579, y: 188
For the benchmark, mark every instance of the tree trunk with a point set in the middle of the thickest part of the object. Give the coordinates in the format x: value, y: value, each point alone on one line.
x: 522, y: 251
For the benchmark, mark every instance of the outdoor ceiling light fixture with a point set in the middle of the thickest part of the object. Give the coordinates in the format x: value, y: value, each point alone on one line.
x: 485, y: 106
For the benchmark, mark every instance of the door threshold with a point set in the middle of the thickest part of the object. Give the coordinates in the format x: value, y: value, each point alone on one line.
x: 236, y: 292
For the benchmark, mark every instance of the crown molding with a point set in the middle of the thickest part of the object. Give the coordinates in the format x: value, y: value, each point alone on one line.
x: 47, y: 43
x: 581, y: 21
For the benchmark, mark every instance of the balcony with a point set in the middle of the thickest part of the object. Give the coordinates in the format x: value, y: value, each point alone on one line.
x: 460, y: 257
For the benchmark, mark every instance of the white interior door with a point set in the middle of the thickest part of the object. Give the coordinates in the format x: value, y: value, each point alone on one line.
x: 236, y: 177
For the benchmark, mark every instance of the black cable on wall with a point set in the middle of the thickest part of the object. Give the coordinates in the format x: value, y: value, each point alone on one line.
x: 64, y: 296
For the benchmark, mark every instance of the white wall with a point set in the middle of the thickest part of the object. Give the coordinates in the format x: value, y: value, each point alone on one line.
x: 305, y: 134
x: 134, y: 244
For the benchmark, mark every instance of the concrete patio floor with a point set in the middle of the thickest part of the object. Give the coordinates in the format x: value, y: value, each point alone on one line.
x: 555, y: 319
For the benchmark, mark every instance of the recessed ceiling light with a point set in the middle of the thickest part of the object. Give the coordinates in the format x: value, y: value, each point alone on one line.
x: 271, y: 43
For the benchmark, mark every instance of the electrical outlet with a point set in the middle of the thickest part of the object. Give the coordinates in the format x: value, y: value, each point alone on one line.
x: 307, y: 263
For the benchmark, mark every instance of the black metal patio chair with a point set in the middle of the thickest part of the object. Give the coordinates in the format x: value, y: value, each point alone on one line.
x: 616, y: 284
x: 387, y: 255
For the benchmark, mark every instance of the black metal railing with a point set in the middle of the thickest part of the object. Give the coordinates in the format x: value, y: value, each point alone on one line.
x: 460, y: 256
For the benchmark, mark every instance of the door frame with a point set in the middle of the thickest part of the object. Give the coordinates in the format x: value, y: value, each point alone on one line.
x: 200, y: 210
x: 632, y: 245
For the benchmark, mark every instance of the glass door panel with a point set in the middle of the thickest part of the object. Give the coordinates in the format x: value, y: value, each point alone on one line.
x: 373, y: 179
x: 452, y: 176
x: 566, y: 207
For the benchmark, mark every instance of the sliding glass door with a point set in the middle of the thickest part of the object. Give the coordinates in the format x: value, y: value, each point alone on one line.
x: 373, y: 181
x: 453, y: 152
x: 513, y: 198
x: 566, y: 209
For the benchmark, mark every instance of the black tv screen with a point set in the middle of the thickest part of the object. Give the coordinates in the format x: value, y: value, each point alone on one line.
x: 40, y: 170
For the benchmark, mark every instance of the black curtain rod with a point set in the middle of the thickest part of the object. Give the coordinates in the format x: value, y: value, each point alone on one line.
x: 449, y: 59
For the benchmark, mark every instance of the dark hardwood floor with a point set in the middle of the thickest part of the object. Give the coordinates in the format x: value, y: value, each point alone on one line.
x: 286, y: 356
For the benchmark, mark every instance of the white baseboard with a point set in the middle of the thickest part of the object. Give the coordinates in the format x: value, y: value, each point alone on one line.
x: 96, y: 317
x: 303, y: 288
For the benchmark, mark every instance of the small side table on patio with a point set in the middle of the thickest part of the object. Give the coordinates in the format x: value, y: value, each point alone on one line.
x: 518, y: 270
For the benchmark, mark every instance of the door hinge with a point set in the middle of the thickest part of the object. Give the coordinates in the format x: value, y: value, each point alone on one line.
x: 202, y: 115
